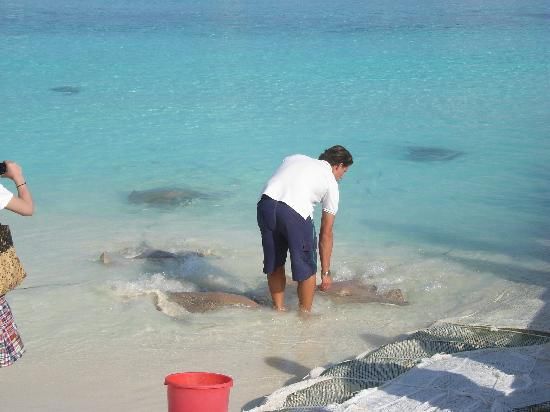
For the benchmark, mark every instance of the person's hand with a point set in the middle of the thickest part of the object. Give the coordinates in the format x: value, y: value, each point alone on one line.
x: 13, y: 172
x: 326, y: 281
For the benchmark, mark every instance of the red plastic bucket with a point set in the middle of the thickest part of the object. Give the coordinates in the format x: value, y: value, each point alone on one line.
x: 198, y: 392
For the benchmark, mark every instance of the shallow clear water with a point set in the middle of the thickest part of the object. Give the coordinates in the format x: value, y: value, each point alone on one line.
x: 444, y: 106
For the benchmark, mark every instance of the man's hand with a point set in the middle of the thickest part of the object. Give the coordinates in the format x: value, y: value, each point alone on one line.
x: 326, y: 281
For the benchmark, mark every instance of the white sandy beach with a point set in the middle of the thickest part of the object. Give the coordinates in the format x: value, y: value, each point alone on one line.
x: 94, y: 339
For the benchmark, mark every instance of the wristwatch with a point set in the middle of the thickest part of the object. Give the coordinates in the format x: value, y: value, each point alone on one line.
x: 325, y: 274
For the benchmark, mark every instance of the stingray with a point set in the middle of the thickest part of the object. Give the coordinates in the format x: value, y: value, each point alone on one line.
x: 200, y: 302
x: 354, y: 291
x: 349, y: 291
x: 66, y: 89
x: 159, y: 254
x: 156, y: 255
x: 431, y: 154
x: 164, y: 197
x: 340, y: 292
x: 346, y: 291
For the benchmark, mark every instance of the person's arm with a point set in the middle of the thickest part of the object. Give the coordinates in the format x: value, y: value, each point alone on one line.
x: 326, y: 239
x: 22, y: 203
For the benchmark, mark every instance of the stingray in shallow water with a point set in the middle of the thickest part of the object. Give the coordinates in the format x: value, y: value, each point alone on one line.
x: 66, y: 89
x: 340, y: 292
x: 159, y: 254
x: 150, y: 254
x: 354, y: 291
x: 164, y: 197
x: 213, y: 295
x: 199, y: 302
x: 430, y: 154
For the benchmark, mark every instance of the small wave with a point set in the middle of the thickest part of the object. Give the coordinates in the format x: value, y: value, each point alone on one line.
x: 154, y: 284
x: 366, y: 272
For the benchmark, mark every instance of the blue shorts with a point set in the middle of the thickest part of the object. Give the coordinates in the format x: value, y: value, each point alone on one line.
x: 283, y: 229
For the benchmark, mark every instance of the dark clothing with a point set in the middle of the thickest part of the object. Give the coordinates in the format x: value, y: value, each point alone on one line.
x: 283, y: 229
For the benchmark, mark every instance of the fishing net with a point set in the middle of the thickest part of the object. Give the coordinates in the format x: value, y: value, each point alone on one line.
x: 541, y: 407
x: 344, y: 380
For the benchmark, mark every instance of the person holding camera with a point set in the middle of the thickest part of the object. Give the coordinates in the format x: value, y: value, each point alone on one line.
x: 11, y: 345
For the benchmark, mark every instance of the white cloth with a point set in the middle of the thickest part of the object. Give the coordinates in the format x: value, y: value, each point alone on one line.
x: 301, y: 182
x: 484, y: 380
x: 5, y: 196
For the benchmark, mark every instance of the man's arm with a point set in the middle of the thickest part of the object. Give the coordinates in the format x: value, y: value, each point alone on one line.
x: 326, y: 239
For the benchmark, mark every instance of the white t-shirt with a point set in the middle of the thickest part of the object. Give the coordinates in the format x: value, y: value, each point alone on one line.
x: 5, y: 196
x: 301, y: 182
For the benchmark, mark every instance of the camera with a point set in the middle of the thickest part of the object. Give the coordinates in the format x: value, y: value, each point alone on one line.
x: 3, y: 168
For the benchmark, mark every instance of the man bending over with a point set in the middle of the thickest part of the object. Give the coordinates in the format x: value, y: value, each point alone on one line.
x: 285, y: 218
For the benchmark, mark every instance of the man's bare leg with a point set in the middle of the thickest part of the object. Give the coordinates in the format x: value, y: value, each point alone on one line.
x: 277, y: 283
x: 306, y: 290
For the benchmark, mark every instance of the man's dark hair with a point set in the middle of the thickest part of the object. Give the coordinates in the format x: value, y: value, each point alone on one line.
x: 337, y: 154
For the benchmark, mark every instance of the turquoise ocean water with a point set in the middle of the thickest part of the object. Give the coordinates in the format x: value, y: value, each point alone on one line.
x: 211, y: 95
x: 445, y: 106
